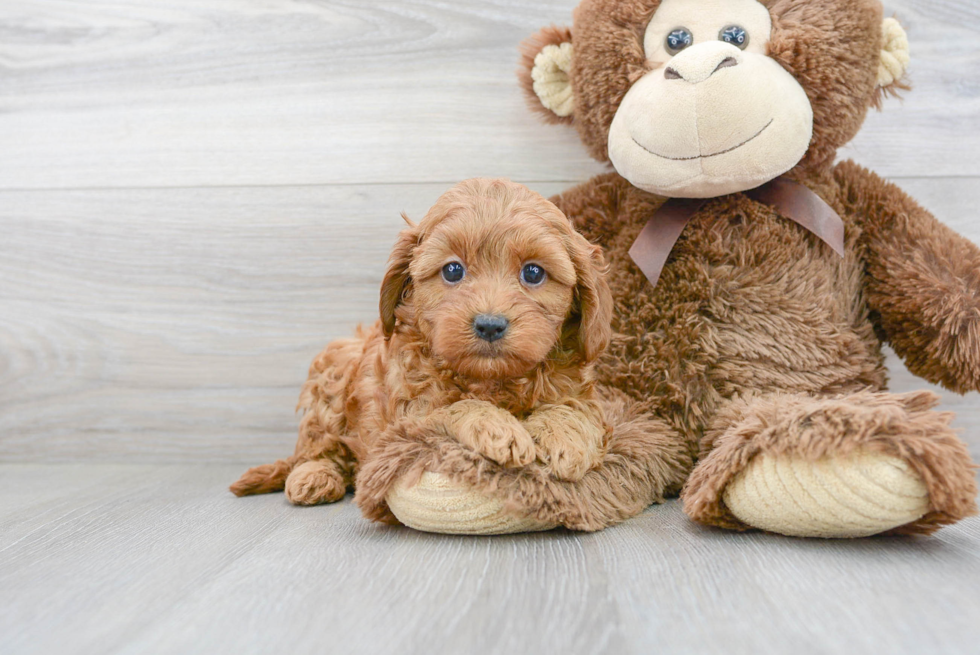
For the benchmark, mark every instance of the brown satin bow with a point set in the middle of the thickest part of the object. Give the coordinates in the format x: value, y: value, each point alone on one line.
x: 791, y: 199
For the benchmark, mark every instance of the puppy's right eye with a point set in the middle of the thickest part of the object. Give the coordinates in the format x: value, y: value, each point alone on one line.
x: 453, y: 272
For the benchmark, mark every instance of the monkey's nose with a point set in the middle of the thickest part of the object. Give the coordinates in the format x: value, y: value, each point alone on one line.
x: 672, y: 74
x: 697, y: 63
x: 490, y: 327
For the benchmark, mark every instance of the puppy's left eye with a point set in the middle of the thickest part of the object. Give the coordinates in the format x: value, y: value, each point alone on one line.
x: 533, y: 275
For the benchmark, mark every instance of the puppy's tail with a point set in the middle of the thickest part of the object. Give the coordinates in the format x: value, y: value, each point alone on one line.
x: 266, y: 478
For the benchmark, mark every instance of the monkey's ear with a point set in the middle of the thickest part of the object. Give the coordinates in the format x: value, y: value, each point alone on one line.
x: 545, y: 73
x: 894, y: 61
x: 396, y: 277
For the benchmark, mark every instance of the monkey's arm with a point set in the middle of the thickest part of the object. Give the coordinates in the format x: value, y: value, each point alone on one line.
x: 571, y: 437
x: 922, y: 280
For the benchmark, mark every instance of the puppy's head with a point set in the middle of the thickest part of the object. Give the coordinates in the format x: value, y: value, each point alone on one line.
x: 497, y: 279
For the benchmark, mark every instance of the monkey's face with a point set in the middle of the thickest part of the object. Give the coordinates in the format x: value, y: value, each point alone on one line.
x: 714, y: 114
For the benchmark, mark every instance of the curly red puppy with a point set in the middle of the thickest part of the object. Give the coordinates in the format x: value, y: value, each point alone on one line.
x: 493, y: 311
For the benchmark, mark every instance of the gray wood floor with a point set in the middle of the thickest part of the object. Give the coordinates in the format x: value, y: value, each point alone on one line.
x: 158, y: 558
x: 196, y: 195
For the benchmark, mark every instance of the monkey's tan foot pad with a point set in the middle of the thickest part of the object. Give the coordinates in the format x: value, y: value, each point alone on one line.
x: 437, y: 504
x: 857, y: 495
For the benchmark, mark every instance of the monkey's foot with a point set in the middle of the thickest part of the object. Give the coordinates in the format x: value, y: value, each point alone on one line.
x: 853, y: 465
x: 854, y: 496
x: 437, y: 504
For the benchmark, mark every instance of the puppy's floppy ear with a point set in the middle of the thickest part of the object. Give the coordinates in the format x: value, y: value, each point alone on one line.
x: 594, y: 301
x: 545, y: 74
x: 396, y: 276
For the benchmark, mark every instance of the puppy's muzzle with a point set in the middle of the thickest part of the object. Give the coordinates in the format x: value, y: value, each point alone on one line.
x: 490, y: 327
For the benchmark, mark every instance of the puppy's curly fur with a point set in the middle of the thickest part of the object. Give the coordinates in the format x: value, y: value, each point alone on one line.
x: 527, y: 396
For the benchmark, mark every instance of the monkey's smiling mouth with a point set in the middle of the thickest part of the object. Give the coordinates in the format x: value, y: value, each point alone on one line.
x: 714, y: 154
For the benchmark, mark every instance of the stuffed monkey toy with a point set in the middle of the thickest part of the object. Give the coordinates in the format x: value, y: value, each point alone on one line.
x: 755, y: 281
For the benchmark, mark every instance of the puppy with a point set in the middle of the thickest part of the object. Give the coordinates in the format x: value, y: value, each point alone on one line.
x: 493, y: 312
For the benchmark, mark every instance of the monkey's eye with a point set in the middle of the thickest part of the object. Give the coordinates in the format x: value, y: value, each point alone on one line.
x: 533, y: 275
x: 736, y: 35
x: 678, y: 39
x: 453, y: 272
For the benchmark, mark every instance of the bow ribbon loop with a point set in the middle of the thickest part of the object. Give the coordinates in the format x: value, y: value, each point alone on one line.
x: 790, y: 199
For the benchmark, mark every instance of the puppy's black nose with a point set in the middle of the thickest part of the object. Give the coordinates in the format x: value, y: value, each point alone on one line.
x: 490, y: 327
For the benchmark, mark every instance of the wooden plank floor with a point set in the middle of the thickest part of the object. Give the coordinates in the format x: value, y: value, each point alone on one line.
x: 196, y: 195
x: 159, y: 559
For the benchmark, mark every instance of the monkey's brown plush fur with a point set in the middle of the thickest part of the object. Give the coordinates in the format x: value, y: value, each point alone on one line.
x: 526, y: 396
x: 758, y: 339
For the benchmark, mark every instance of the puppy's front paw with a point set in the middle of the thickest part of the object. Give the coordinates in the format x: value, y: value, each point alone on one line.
x: 567, y: 460
x: 491, y: 431
x: 506, y: 443
x: 570, y: 440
